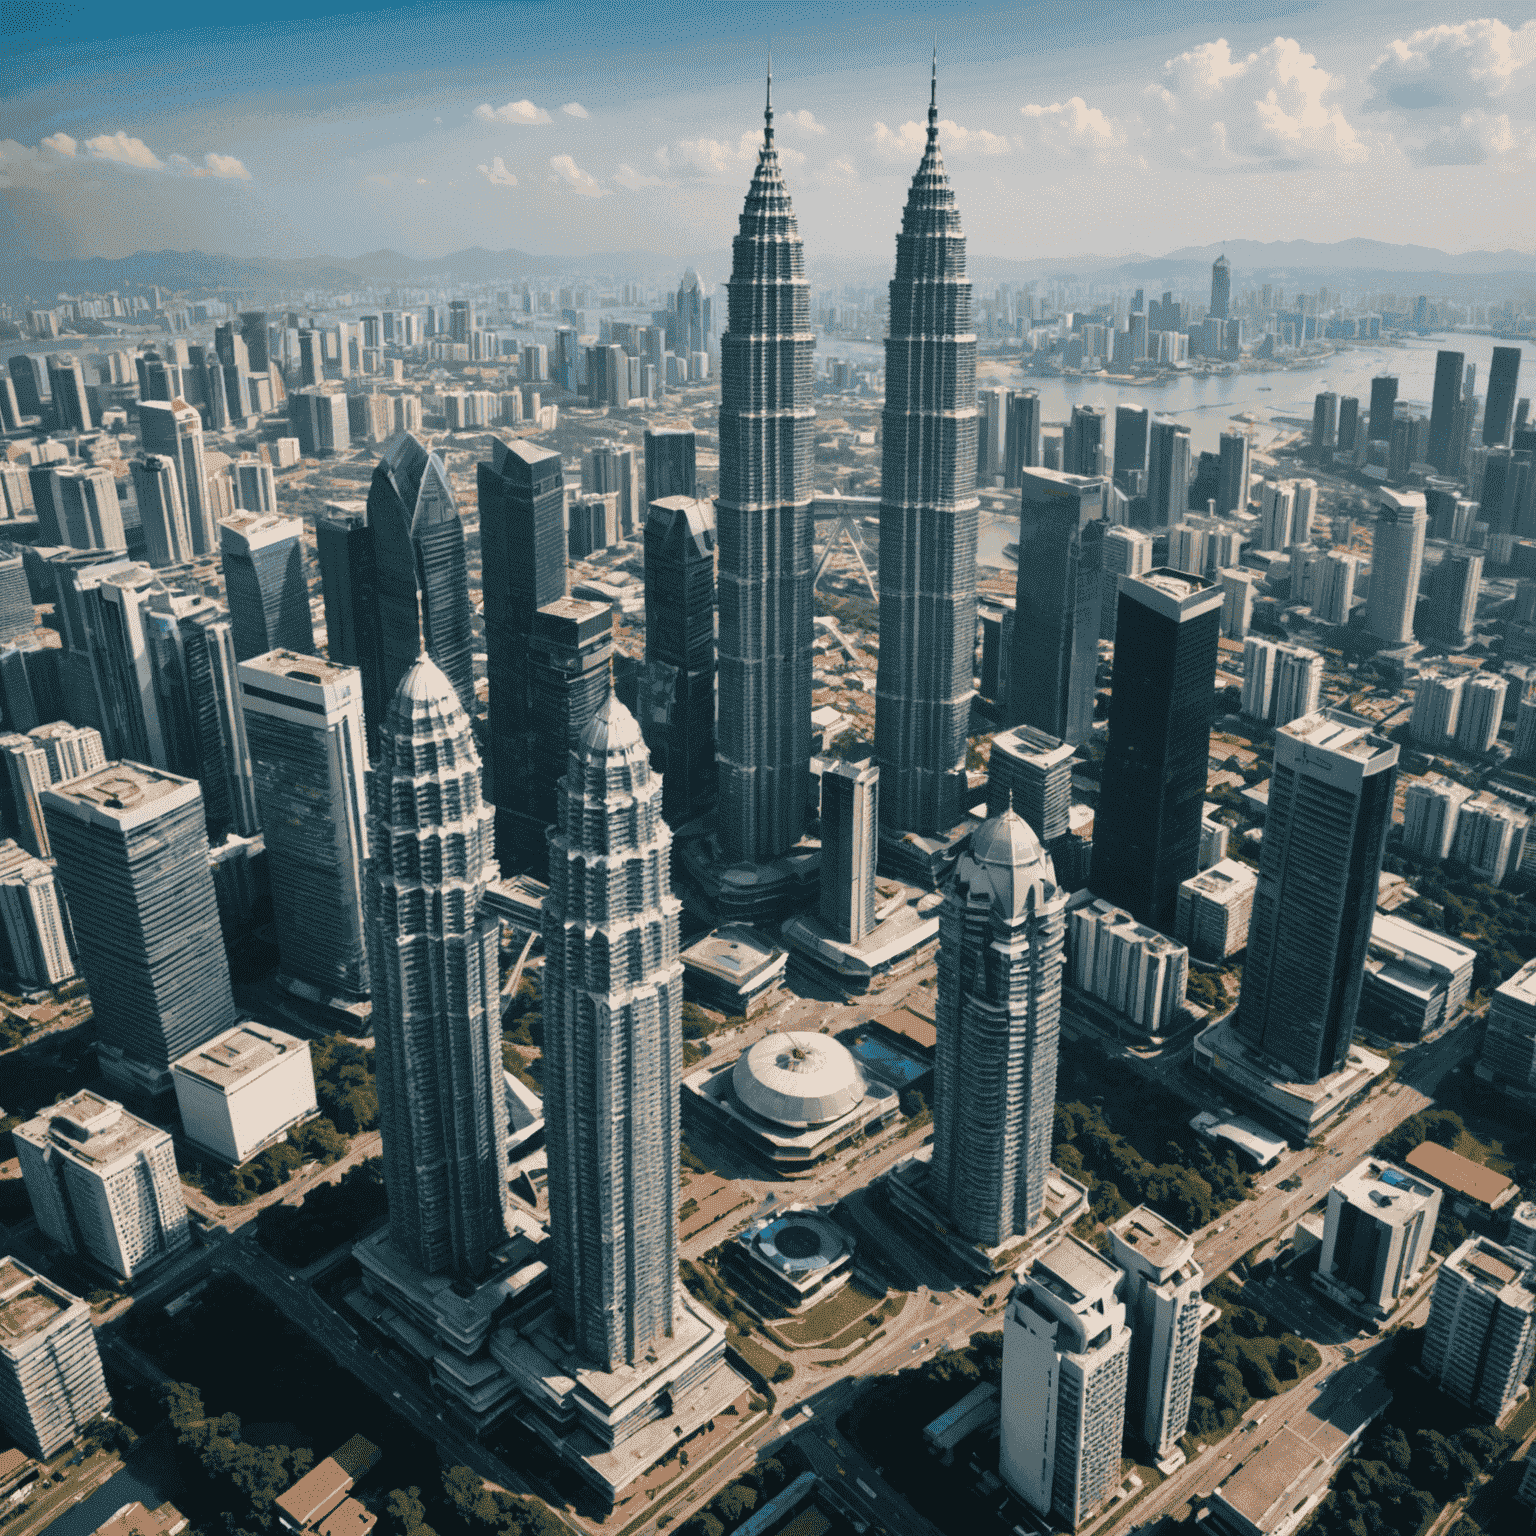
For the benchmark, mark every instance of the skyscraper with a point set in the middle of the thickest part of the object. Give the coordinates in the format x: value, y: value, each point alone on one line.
x: 162, y: 512
x: 928, y: 517
x: 1503, y: 386
x: 522, y: 552
x: 304, y: 723
x: 612, y: 1047
x: 998, y: 1013
x: 1126, y: 552
x: 1444, y: 450
x: 1168, y: 473
x: 172, y: 428
x: 1453, y: 591
x: 354, y: 634
x: 103, y: 1183
x: 678, y: 687
x: 1377, y: 1233
x: 263, y: 559
x: 670, y: 454
x: 1163, y: 1304
x: 850, y: 794
x: 1221, y: 288
x: 1234, y: 475
x: 51, y: 1385
x: 1085, y: 447
x: 694, y: 308
x: 1056, y: 620
x: 421, y: 572
x: 1147, y: 827
x: 1330, y: 806
x: 1397, y: 564
x: 765, y: 526
x: 612, y: 467
x: 1021, y: 435
x: 1383, y: 407
x: 132, y: 857
x: 1066, y: 1368
x: 1481, y: 1334
x: 432, y: 959
x: 1133, y: 425
x: 66, y: 382
x: 87, y: 508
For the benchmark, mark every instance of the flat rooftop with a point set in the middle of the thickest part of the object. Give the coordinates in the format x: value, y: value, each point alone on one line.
x: 1148, y: 1233
x: 121, y: 787
x: 1224, y: 881
x: 1459, y: 1174
x: 298, y: 666
x: 90, y: 1130
x: 234, y: 1055
x: 29, y: 1304
x: 736, y: 952
x: 1073, y: 1271
x: 1375, y: 1182
x: 1436, y: 950
x: 1520, y: 989
x: 1335, y: 732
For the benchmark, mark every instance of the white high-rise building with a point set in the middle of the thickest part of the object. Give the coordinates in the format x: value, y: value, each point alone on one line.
x: 1481, y: 1336
x: 1482, y: 711
x: 1430, y: 808
x: 1066, y: 1370
x: 51, y: 1384
x: 1436, y: 708
x: 1298, y: 683
x: 1376, y: 1236
x: 103, y: 1182
x: 1136, y: 970
x: 244, y: 1090
x: 1163, y: 1301
x: 1397, y: 562
x: 1126, y: 552
x: 1238, y: 588
x: 1214, y: 910
x: 1260, y: 663
x: 35, y: 923
x: 1333, y: 587
x: 1509, y: 1047
x: 1490, y: 837
x: 1277, y: 513
x: 1187, y: 546
x: 1303, y: 503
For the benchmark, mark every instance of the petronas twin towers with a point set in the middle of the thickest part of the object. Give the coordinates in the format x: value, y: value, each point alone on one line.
x: 927, y: 520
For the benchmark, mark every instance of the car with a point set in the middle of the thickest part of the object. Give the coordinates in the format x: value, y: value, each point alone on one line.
x: 397, y: 1394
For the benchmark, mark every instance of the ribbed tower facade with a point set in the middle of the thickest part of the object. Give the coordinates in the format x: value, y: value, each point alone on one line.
x: 1001, y: 935
x: 432, y: 958
x: 927, y: 513
x: 613, y: 1000
x: 764, y: 524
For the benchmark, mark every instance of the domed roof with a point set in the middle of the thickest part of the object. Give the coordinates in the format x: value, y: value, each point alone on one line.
x: 427, y: 683
x: 611, y: 729
x: 798, y: 1079
x: 1006, y: 855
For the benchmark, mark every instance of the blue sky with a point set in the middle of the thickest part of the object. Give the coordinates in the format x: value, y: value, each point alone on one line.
x: 294, y: 129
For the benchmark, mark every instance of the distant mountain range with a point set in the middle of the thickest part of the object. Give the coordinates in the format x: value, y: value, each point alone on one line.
x: 1352, y: 263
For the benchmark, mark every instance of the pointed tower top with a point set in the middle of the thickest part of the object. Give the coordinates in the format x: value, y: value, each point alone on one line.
x: 933, y: 98
x: 768, y: 107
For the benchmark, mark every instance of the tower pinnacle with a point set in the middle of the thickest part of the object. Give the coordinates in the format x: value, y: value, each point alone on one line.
x: 933, y: 99
x: 768, y: 109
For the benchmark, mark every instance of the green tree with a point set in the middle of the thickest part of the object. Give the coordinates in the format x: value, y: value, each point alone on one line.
x: 735, y: 1503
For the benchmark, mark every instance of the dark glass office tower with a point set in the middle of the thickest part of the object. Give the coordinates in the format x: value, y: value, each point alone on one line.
x: 1056, y: 615
x: 1221, y: 288
x: 349, y: 585
x: 927, y: 512
x: 1450, y: 368
x: 1330, y: 807
x: 1383, y: 406
x: 1133, y: 428
x: 421, y: 572
x: 132, y: 854
x: 1146, y: 834
x: 678, y: 711
x: 613, y: 1044
x: 263, y: 561
x: 670, y: 463
x: 1503, y: 386
x: 522, y: 552
x: 432, y: 961
x: 764, y: 525
x: 1021, y: 441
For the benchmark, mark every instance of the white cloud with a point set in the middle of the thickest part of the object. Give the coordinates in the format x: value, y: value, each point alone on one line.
x: 421, y: 181
x: 628, y: 176
x: 1441, y: 88
x: 802, y: 121
x: 1268, y: 110
x: 575, y: 109
x: 224, y: 167
x: 911, y: 139
x: 512, y: 112
x: 721, y: 159
x: 497, y: 173
x: 124, y: 150
x: 1072, y: 127
x: 571, y: 176
x: 22, y: 165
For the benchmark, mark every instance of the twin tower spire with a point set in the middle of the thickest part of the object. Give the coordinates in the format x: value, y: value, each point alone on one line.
x: 765, y: 519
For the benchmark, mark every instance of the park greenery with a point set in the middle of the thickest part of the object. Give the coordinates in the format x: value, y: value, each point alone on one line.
x: 329, y: 1215
x: 344, y: 1084
x: 483, y: 1509
x: 316, y: 1141
x: 1243, y: 1356
x: 1191, y: 1186
x: 737, y: 1500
